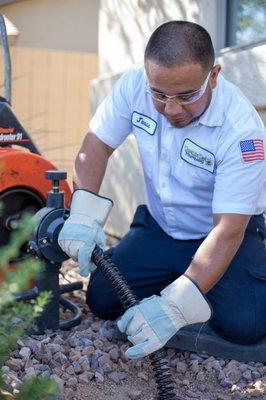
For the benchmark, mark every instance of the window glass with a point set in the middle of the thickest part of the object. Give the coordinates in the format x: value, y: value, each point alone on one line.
x: 250, y: 21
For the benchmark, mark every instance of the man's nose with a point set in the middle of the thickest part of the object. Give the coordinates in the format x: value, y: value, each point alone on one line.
x: 172, y: 108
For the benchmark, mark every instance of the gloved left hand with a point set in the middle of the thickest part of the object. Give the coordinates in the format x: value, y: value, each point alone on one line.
x: 150, y: 324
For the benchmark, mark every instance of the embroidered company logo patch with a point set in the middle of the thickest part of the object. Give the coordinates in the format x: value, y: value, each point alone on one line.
x: 144, y: 122
x: 197, y: 155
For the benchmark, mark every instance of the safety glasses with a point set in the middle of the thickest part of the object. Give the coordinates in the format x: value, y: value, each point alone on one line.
x: 182, y: 98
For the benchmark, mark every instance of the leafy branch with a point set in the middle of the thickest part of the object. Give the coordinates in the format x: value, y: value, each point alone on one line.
x: 17, y: 317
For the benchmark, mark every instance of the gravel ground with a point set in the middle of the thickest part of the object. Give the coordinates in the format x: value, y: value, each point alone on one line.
x: 88, y: 363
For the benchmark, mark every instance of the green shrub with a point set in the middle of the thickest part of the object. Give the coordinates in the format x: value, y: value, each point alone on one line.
x: 16, y: 317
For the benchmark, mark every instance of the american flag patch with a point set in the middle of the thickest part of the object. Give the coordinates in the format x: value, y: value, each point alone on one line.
x: 252, y: 150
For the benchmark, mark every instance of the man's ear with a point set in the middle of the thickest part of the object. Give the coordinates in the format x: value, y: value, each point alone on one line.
x: 214, y: 74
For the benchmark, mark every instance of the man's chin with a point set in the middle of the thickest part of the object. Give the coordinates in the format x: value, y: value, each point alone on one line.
x: 180, y: 123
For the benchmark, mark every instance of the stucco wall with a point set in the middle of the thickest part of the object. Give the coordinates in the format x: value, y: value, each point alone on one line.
x: 125, y: 26
x: 50, y: 99
x: 246, y: 67
x: 70, y: 25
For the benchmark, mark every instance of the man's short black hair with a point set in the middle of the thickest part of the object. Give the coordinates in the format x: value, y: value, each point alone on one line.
x: 180, y: 42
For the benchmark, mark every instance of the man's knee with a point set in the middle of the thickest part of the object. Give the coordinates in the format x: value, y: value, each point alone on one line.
x: 102, y: 301
x: 237, y: 330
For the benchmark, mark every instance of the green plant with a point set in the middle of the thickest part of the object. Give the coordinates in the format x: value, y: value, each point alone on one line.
x: 16, y: 317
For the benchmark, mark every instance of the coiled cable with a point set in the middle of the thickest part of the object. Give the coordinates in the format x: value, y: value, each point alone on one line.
x: 128, y: 299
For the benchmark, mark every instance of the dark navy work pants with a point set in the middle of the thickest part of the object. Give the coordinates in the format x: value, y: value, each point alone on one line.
x: 149, y: 259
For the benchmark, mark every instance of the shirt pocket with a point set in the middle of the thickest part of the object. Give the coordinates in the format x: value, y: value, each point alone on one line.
x: 193, y: 177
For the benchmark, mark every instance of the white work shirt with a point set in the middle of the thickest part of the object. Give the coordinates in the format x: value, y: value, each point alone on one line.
x: 214, y: 165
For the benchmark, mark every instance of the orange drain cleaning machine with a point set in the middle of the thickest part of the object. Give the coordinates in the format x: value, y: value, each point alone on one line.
x: 23, y: 187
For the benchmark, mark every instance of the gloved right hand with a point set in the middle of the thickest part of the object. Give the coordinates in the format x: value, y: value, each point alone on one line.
x: 84, y: 228
x: 154, y: 320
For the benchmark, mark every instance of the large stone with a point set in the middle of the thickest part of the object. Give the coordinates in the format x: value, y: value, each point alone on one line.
x: 16, y: 364
x: 181, y: 367
x: 30, y: 373
x: 85, y: 377
x: 25, y: 352
x: 233, y: 375
x: 114, y: 354
x: 99, y: 377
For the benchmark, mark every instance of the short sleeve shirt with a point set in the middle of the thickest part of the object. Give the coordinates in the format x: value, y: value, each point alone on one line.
x: 212, y: 166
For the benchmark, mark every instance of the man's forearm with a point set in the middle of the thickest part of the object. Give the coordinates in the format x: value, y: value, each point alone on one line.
x: 90, y: 164
x: 213, y: 258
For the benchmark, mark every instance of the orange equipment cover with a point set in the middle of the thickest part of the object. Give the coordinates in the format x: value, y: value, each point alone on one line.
x: 23, y: 169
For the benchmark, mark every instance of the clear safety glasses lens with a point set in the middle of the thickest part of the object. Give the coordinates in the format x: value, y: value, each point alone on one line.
x: 181, y: 98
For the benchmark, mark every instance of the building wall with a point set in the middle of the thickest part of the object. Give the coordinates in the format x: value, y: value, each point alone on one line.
x: 246, y: 67
x: 125, y: 26
x: 70, y: 25
x: 50, y: 97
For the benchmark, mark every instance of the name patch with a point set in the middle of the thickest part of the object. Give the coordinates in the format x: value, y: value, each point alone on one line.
x: 144, y: 122
x: 197, y: 155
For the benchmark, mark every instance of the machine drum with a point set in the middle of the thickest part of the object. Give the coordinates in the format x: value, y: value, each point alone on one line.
x: 14, y: 203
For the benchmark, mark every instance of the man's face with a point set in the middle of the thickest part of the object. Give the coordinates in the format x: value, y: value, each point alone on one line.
x: 180, y: 80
